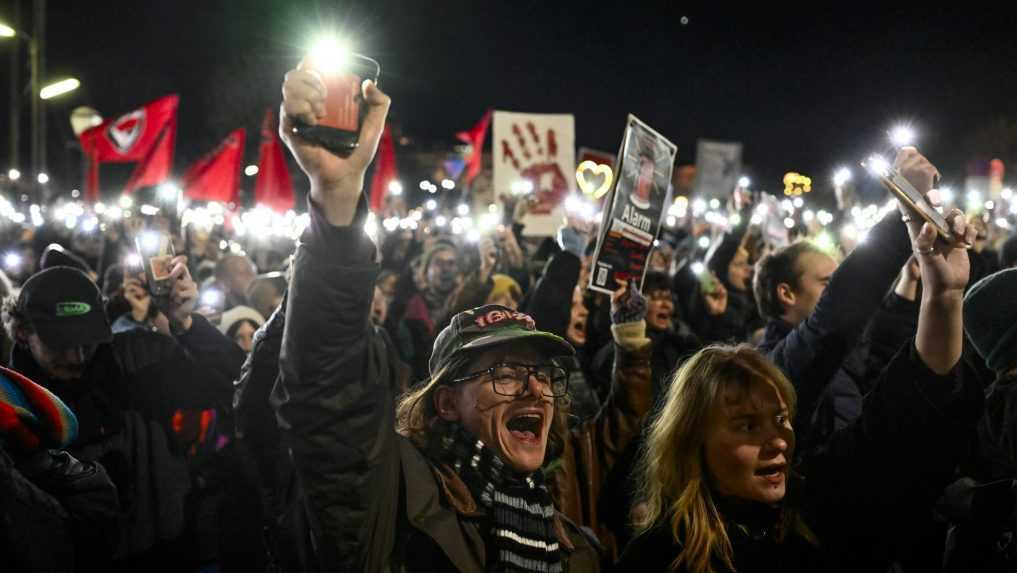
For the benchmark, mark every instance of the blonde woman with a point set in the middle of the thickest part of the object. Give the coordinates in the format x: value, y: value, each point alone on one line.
x: 717, y: 479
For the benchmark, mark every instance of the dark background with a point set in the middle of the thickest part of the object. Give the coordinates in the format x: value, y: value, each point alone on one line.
x: 805, y: 88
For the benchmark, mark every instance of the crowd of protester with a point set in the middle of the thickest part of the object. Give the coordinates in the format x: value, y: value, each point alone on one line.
x: 412, y: 399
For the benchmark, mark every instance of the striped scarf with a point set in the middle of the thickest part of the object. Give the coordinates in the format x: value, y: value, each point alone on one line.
x: 31, y: 417
x: 520, y: 508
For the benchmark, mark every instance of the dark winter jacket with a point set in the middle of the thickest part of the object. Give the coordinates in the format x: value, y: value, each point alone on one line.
x: 378, y: 503
x: 812, y: 352
x: 56, y: 514
x: 893, y: 324
x: 123, y: 403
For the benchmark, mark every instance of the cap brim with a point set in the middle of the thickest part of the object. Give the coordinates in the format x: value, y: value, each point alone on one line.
x: 60, y: 335
x: 555, y: 344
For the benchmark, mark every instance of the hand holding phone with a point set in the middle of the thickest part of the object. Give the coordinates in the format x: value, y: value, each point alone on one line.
x: 336, y: 179
x: 341, y: 73
x: 155, y: 250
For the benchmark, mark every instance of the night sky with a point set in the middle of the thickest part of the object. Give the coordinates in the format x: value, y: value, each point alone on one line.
x: 804, y: 89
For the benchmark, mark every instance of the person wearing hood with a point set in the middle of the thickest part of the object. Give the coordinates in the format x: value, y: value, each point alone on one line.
x: 729, y: 265
x: 239, y: 325
x: 424, y: 310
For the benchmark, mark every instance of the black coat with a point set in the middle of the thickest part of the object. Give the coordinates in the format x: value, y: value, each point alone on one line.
x: 863, y: 490
x: 56, y: 514
x: 812, y: 352
x: 893, y: 324
x: 124, y: 402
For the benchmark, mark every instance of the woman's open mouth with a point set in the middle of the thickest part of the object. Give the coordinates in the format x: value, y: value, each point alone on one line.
x: 773, y: 474
x: 527, y: 427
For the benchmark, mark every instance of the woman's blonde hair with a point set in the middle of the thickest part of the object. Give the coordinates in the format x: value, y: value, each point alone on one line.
x: 674, y: 480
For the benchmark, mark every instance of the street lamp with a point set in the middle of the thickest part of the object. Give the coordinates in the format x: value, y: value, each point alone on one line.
x: 36, y: 55
x: 59, y: 88
x: 38, y: 162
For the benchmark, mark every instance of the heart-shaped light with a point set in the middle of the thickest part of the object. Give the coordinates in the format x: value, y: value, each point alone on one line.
x: 594, y: 178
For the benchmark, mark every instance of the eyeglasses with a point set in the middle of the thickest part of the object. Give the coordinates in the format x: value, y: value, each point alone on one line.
x: 513, y: 379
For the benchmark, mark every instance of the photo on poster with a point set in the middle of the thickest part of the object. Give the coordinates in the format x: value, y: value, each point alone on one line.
x: 637, y: 206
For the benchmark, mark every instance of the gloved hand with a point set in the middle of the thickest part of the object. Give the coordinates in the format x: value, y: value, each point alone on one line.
x: 627, y: 304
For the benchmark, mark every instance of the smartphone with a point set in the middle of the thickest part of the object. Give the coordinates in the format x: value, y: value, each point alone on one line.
x: 156, y: 252
x: 706, y: 282
x: 339, y: 130
x: 905, y: 192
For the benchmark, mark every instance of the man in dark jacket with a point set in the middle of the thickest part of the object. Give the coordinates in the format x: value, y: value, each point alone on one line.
x: 891, y: 326
x: 124, y: 389
x: 817, y: 309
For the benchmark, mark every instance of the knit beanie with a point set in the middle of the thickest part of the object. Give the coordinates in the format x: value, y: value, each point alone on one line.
x: 990, y: 318
x: 31, y: 417
x: 504, y: 284
x: 238, y: 313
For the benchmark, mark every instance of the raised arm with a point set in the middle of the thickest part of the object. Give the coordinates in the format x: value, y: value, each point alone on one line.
x: 333, y: 401
x: 811, y: 353
x: 919, y: 418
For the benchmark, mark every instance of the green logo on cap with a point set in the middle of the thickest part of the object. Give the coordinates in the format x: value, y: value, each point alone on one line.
x: 64, y: 309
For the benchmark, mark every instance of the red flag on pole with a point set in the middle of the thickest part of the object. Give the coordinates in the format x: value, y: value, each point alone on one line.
x: 130, y: 137
x: 475, y: 138
x: 273, y: 187
x: 216, y: 176
x: 156, y: 166
x: 384, y: 170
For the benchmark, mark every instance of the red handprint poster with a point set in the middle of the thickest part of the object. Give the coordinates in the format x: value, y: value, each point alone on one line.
x: 636, y: 206
x: 535, y: 154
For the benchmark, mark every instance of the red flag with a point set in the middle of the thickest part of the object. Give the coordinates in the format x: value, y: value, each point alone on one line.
x: 130, y: 137
x: 216, y: 176
x: 156, y: 166
x: 475, y: 138
x: 273, y: 187
x: 384, y: 170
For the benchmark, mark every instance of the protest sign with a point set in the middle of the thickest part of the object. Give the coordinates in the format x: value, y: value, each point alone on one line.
x: 636, y: 206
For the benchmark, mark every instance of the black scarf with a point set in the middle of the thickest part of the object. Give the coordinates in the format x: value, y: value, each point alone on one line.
x: 520, y: 510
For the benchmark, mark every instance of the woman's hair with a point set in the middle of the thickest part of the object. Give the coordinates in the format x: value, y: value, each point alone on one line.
x: 674, y: 479
x: 417, y: 416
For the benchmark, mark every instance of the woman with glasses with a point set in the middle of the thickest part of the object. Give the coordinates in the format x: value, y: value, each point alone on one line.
x: 454, y: 477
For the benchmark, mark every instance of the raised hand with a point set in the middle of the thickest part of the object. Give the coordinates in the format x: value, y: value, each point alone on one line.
x: 945, y: 268
x: 184, y: 295
x: 627, y: 303
x: 137, y: 297
x: 488, y: 258
x: 716, y: 300
x: 336, y: 182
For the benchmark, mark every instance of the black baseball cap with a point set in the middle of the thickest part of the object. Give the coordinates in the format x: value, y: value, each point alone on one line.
x: 65, y: 308
x: 488, y: 326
